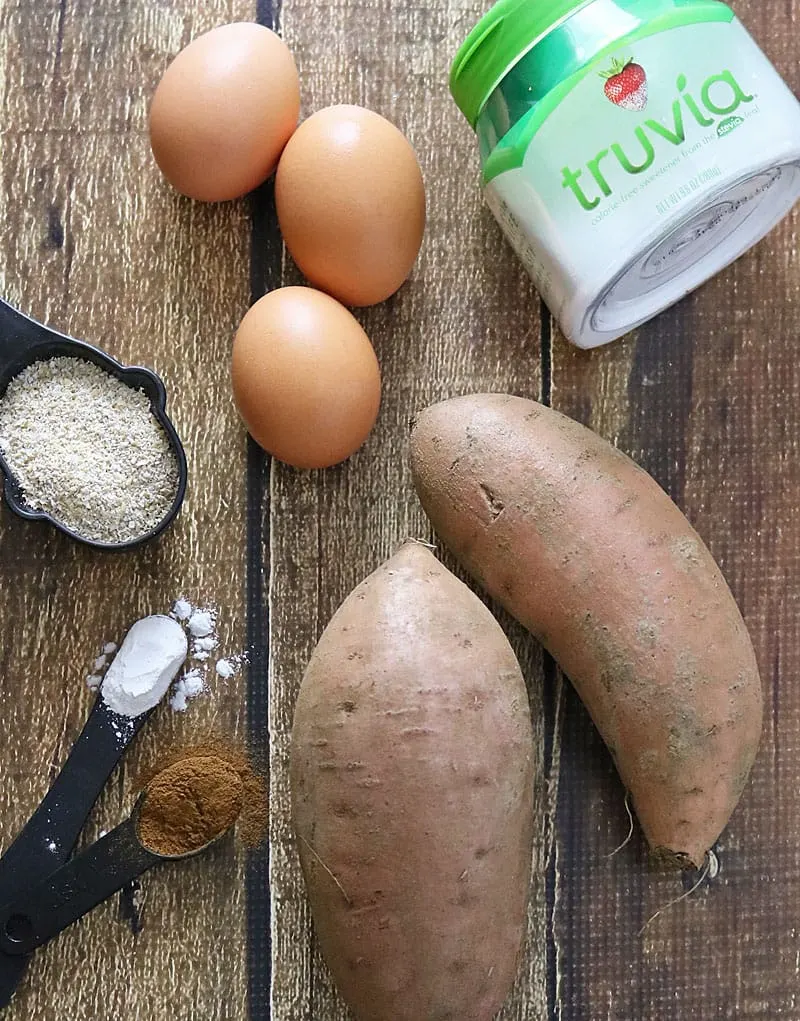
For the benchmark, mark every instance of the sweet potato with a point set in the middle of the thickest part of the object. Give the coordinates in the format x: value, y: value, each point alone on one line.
x: 412, y: 774
x: 587, y: 551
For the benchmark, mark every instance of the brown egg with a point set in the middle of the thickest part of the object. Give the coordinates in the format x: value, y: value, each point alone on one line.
x: 351, y: 203
x: 223, y: 112
x: 305, y: 378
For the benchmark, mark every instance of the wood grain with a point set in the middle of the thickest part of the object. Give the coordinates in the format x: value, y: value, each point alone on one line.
x: 468, y: 319
x: 96, y: 244
x: 705, y: 398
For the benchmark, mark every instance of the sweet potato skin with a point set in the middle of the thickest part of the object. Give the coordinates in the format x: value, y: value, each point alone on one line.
x: 412, y: 785
x: 588, y: 552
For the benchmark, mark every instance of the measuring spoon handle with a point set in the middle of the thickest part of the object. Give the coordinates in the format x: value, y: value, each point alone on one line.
x: 47, y: 839
x: 69, y: 893
x: 49, y: 836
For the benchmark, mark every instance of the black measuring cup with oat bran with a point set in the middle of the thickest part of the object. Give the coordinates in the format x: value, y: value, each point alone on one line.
x: 24, y: 341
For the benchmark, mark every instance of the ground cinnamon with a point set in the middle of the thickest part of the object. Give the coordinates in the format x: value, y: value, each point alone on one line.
x: 251, y: 825
x: 189, y: 804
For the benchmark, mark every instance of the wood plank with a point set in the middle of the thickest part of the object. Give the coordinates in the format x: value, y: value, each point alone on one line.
x: 705, y: 398
x: 96, y: 244
x: 467, y: 320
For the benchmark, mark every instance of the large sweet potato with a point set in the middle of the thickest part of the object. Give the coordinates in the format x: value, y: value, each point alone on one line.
x: 585, y: 549
x: 412, y: 772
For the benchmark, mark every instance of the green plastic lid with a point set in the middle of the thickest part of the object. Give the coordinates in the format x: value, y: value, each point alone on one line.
x: 497, y: 42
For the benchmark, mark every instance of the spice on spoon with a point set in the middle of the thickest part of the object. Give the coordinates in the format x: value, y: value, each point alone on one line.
x: 87, y: 449
x: 189, y: 804
x: 251, y: 824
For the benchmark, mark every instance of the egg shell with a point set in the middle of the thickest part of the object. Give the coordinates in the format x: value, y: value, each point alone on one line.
x: 351, y: 203
x: 305, y: 377
x: 224, y: 110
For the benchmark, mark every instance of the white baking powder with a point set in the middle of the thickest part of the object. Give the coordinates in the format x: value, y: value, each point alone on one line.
x: 187, y: 687
x: 151, y: 655
x: 199, y: 624
x: 202, y: 623
x: 182, y: 609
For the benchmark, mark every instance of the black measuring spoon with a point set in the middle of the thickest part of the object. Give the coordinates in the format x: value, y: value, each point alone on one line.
x: 24, y: 341
x: 84, y: 882
x: 48, y: 838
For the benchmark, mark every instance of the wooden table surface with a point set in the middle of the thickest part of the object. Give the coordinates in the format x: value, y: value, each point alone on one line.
x: 705, y: 397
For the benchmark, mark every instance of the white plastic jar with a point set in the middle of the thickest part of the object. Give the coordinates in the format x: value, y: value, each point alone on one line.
x: 631, y: 149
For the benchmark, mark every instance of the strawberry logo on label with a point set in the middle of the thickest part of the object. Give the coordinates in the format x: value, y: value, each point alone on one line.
x: 626, y: 84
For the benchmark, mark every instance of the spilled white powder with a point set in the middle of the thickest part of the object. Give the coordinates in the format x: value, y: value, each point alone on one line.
x: 182, y: 609
x: 225, y: 669
x: 95, y: 678
x: 205, y: 644
x: 152, y: 653
x: 186, y: 688
x: 88, y: 450
x: 203, y: 647
x: 193, y: 684
x: 202, y: 623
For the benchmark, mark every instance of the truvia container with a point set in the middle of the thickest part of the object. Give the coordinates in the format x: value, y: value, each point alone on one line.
x: 631, y: 148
